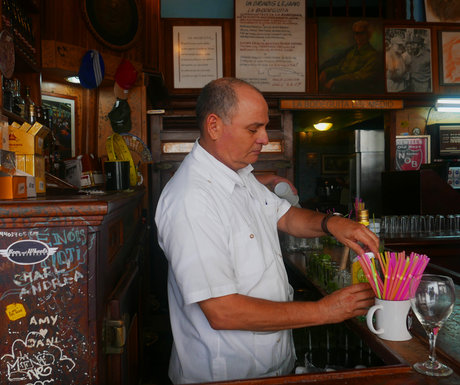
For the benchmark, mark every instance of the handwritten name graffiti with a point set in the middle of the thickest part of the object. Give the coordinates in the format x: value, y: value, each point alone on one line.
x: 28, y: 252
x: 30, y: 361
x: 45, y: 279
x: 64, y: 267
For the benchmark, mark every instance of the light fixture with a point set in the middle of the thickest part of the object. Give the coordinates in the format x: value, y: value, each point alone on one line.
x: 323, y: 124
x: 448, y: 105
x: 73, y: 79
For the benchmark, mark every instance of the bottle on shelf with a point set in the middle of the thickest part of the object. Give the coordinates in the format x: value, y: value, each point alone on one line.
x: 7, y: 94
x: 18, y: 101
x: 29, y: 108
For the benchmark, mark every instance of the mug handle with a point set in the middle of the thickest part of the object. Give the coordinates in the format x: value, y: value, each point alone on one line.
x: 370, y: 315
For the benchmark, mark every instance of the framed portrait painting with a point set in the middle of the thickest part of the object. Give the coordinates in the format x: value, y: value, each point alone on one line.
x: 442, y: 11
x: 350, y: 56
x: 62, y: 116
x: 449, y: 57
x: 408, y: 60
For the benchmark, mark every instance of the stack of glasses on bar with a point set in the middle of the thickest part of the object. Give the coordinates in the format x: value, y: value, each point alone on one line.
x: 419, y: 226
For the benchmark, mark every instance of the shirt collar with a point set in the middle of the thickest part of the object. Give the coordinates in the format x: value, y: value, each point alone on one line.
x: 219, y: 172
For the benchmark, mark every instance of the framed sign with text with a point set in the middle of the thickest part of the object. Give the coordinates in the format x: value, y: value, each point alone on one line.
x: 197, y: 55
x: 270, y: 44
x: 412, y: 151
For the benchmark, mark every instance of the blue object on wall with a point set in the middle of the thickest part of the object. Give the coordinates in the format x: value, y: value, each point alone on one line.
x: 197, y: 9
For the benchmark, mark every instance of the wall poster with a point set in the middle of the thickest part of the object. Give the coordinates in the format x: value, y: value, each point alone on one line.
x: 270, y: 44
x: 197, y: 55
x: 412, y: 151
x: 62, y: 113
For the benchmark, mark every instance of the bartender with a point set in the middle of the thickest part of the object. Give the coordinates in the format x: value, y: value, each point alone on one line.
x: 230, y: 301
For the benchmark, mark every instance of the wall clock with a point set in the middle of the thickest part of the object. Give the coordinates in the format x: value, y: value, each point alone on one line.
x: 115, y: 23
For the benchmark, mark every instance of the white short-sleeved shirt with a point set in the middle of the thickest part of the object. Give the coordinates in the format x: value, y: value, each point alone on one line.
x: 218, y: 229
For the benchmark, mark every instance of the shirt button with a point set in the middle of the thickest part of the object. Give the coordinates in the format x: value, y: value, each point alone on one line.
x: 251, y: 236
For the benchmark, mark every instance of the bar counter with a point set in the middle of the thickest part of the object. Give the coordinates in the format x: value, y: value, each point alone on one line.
x: 398, y: 357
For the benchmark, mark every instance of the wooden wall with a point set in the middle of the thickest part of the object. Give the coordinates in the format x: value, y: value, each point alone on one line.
x: 64, y: 21
x: 66, y: 36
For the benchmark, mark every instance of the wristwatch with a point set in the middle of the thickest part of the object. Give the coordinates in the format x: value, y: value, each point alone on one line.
x: 326, y: 219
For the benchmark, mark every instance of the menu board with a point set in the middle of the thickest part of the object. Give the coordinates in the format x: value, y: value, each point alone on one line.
x: 270, y: 44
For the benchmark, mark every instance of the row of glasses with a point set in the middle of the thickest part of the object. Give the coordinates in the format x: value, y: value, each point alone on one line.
x: 419, y: 225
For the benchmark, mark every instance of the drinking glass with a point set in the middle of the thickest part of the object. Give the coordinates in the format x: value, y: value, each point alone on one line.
x: 432, y: 299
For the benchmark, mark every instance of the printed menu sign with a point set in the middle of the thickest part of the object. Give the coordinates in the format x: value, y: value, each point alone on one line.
x: 270, y: 44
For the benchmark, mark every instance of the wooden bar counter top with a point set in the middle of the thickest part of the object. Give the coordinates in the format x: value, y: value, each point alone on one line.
x: 398, y: 357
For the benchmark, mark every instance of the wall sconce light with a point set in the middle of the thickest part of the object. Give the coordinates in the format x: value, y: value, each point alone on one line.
x: 324, y: 124
x: 448, y: 105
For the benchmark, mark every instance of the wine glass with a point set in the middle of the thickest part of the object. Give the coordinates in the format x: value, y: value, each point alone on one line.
x: 432, y: 299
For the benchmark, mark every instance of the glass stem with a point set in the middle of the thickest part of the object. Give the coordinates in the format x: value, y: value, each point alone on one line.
x: 432, y: 340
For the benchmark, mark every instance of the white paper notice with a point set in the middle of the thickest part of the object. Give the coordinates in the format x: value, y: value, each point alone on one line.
x: 270, y: 44
x: 197, y: 55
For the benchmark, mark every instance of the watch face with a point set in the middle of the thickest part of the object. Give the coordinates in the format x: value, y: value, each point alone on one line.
x: 115, y: 23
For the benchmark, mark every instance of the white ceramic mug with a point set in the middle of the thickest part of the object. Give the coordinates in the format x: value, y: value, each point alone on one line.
x: 390, y: 319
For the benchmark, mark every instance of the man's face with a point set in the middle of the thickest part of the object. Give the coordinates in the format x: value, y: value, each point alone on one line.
x: 361, y: 35
x: 399, y: 48
x: 241, y: 140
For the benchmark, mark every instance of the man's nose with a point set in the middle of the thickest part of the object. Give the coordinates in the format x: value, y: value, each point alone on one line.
x: 262, y: 137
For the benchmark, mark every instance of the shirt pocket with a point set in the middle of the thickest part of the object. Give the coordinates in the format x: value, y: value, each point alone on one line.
x: 249, y: 262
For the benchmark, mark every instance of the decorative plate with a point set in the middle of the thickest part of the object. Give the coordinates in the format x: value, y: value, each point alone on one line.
x: 116, y: 23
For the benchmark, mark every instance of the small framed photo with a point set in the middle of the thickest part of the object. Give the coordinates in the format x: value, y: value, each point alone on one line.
x: 449, y: 57
x: 412, y: 151
x: 335, y: 163
x: 62, y: 116
x: 408, y: 59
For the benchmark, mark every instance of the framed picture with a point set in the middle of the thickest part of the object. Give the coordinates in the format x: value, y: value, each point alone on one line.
x: 270, y: 48
x: 412, y: 151
x: 442, y: 11
x: 408, y: 60
x: 449, y: 57
x: 335, y: 163
x: 62, y: 117
x: 339, y: 70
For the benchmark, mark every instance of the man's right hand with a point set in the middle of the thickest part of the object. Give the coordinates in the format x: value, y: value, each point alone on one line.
x: 349, y: 302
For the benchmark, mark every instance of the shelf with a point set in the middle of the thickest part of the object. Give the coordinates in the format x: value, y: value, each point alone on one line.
x: 12, y: 116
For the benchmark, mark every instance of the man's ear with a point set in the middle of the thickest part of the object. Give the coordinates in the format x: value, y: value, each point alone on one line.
x: 213, y: 126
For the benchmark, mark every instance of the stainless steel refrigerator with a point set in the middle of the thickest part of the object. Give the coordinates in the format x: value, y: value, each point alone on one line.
x: 366, y: 168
